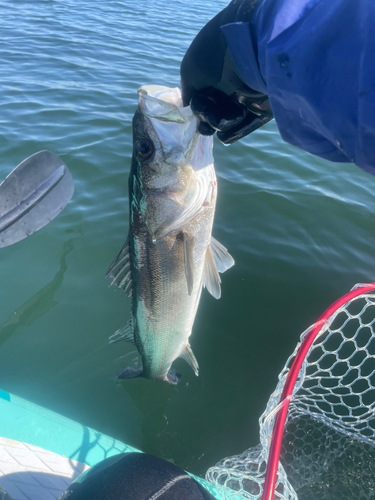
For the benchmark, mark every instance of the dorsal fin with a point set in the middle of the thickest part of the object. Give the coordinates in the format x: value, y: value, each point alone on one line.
x: 123, y: 334
x: 119, y: 270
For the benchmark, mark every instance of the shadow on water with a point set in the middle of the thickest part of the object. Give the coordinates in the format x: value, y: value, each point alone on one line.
x: 151, y: 398
x: 40, y: 303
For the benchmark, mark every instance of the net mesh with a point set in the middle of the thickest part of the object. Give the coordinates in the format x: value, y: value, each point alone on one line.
x: 328, y: 447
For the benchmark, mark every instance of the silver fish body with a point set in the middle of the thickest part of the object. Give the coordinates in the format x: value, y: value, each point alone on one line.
x: 170, y: 254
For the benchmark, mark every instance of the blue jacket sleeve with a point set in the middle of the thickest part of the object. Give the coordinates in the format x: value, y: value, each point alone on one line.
x: 316, y: 61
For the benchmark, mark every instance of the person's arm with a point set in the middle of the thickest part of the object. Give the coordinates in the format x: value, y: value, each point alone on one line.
x: 313, y: 59
x: 212, y: 84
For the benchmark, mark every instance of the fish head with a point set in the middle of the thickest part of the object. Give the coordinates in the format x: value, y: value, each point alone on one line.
x: 172, y: 164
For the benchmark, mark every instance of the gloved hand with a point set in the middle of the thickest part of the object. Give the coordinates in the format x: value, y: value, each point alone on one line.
x: 212, y: 85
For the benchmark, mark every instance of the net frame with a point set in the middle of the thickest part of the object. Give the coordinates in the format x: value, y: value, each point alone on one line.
x: 290, y: 384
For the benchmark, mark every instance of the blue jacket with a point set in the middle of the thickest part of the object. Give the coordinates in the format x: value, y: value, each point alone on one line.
x: 316, y: 61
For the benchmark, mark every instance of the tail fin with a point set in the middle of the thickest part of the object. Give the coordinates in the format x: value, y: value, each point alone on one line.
x: 130, y: 372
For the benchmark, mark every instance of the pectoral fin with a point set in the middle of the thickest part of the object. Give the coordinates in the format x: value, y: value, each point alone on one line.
x: 189, y: 261
x: 211, y: 279
x: 217, y: 261
x: 119, y: 270
x: 222, y: 258
x: 124, y: 334
x: 190, y: 359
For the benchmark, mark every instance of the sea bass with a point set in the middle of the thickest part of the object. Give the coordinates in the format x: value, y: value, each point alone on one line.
x: 169, y: 254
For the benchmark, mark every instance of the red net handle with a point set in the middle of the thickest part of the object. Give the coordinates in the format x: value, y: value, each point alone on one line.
x: 278, y: 429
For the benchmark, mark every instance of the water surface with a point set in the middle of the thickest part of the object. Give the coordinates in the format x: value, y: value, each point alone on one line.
x: 301, y: 231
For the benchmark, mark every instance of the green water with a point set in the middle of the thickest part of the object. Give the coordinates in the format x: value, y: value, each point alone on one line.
x: 301, y: 231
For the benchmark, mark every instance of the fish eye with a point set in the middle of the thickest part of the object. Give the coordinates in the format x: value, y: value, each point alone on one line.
x: 144, y: 149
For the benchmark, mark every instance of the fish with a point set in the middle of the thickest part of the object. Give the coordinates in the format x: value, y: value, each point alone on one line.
x: 169, y: 255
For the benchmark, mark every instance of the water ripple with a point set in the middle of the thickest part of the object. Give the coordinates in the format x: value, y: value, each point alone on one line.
x: 300, y: 229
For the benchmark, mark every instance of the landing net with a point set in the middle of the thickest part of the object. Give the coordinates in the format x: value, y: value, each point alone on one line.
x: 326, y: 399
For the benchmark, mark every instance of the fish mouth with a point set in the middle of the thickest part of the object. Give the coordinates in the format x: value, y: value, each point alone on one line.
x: 161, y: 103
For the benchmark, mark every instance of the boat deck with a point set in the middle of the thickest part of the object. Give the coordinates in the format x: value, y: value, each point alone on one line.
x: 28, y: 472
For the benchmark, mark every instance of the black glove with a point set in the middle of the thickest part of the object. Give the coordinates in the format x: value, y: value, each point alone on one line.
x: 212, y: 86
